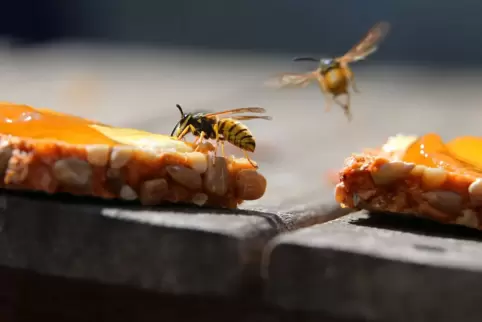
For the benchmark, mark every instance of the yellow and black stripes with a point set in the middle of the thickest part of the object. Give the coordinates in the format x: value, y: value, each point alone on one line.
x: 237, y: 134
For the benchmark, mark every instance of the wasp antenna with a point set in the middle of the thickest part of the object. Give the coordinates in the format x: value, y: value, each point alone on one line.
x: 305, y: 59
x: 180, y: 109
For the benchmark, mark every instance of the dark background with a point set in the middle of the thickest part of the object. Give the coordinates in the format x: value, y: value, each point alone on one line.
x: 428, y: 32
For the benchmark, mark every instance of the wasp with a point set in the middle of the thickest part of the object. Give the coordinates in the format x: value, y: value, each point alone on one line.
x: 333, y: 74
x: 220, y: 126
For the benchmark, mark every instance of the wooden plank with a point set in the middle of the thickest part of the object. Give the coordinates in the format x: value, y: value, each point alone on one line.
x: 177, y: 250
x: 382, y: 268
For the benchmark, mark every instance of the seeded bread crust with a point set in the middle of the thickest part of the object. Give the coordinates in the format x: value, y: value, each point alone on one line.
x: 379, y: 181
x: 128, y: 173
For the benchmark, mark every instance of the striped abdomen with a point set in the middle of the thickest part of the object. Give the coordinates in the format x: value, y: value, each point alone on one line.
x: 237, y: 134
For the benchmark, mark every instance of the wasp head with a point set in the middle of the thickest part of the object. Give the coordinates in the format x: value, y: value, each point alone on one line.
x: 327, y: 64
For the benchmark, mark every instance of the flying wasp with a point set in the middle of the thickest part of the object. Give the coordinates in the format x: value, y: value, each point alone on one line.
x: 218, y: 126
x: 333, y: 74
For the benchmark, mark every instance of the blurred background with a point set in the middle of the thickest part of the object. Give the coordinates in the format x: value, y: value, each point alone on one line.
x: 129, y: 62
x: 428, y: 32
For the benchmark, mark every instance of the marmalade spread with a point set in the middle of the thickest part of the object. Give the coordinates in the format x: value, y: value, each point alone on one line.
x: 28, y: 122
x: 462, y: 154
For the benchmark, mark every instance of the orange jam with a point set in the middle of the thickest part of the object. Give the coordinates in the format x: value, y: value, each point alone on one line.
x: 28, y: 122
x: 462, y: 154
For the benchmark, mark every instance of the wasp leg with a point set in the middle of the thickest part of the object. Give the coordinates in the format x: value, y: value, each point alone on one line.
x: 324, y: 90
x: 188, y: 129
x: 349, y: 74
x: 183, y: 133
x: 346, y: 106
x: 216, y: 132
x: 249, y: 160
x: 199, y: 140
x: 222, y: 148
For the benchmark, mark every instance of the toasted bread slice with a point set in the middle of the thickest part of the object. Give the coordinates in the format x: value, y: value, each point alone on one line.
x: 420, y: 176
x: 53, y: 152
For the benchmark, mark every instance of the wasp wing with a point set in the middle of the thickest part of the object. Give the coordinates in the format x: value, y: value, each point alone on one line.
x: 238, y: 110
x: 251, y: 117
x: 368, y: 45
x: 292, y: 80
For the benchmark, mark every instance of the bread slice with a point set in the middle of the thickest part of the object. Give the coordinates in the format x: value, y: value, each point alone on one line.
x: 386, y: 180
x: 44, y: 150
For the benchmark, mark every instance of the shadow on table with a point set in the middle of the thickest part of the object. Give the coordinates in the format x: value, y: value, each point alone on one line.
x: 273, y: 219
x: 416, y: 225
